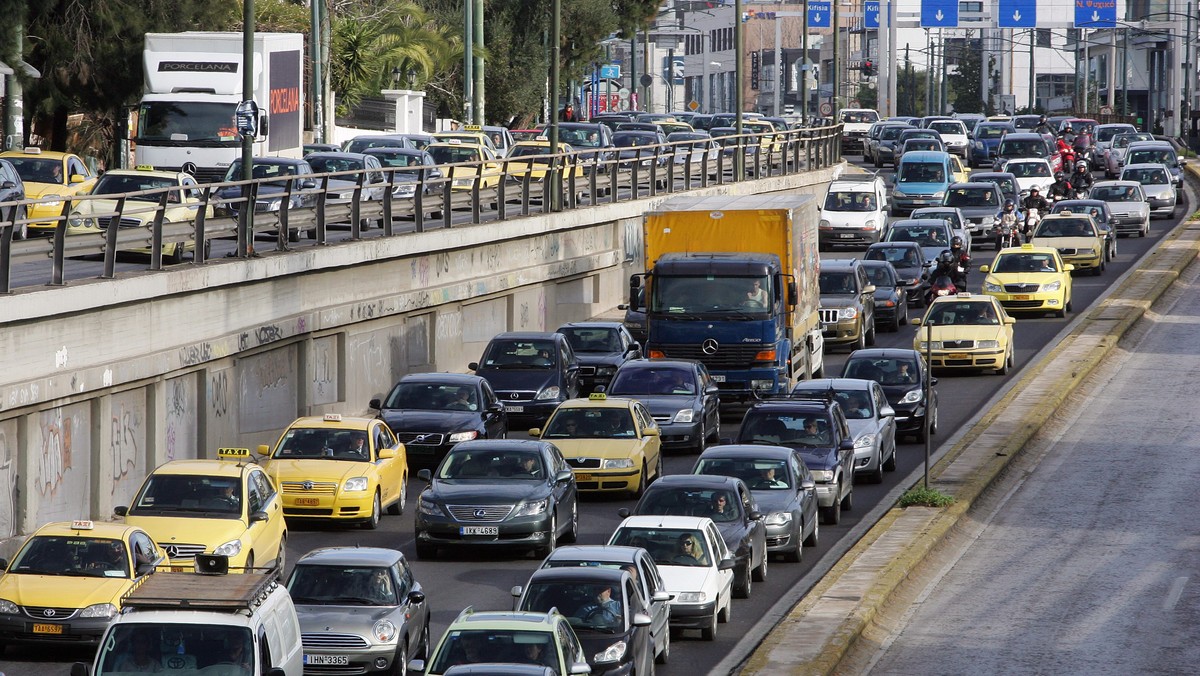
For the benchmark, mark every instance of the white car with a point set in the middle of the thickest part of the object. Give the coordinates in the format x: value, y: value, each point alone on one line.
x: 954, y: 135
x: 854, y: 211
x: 694, y: 563
x: 1031, y: 172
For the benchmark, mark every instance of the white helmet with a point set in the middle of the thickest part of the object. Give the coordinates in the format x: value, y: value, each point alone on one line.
x: 1081, y: 164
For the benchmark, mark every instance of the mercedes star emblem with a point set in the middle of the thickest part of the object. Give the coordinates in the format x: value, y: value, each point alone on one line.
x: 172, y: 551
x: 515, y: 395
x: 709, y: 346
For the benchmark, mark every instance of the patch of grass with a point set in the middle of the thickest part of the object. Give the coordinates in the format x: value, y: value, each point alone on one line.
x: 920, y: 496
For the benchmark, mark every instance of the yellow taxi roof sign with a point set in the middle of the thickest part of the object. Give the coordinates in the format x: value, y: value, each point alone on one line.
x: 82, y: 524
x: 472, y: 127
x: 333, y: 417
x: 233, y: 453
x: 597, y: 396
x: 1026, y: 245
x: 144, y: 167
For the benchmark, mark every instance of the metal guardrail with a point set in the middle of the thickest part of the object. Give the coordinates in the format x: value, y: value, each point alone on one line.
x: 487, y: 191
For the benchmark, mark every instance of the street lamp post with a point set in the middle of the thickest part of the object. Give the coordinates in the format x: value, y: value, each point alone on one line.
x: 245, y: 239
x: 739, y: 97
x: 928, y: 390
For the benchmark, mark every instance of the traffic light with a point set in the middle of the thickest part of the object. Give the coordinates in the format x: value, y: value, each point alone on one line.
x: 867, y: 68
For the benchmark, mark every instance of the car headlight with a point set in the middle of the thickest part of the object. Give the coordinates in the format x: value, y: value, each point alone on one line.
x: 991, y: 287
x: 57, y: 201
x: 269, y: 205
x: 979, y: 144
x: 532, y: 508
x: 463, y: 436
x: 686, y: 415
x: 102, y: 610
x: 778, y: 518
x: 822, y: 475
x: 551, y: 392
x: 1052, y: 286
x: 912, y: 396
x: 606, y: 371
x: 384, y: 631
x: 871, y: 224
x: 939, y: 195
x: 464, y: 182
x: 8, y: 607
x: 824, y: 224
x: 865, y: 441
x: 616, y: 463
x: 231, y: 548
x: 934, y: 345
x: 406, y: 190
x: 691, y: 597
x: 358, y: 483
x: 428, y: 507
x: 990, y: 344
x: 848, y: 313
x: 613, y: 653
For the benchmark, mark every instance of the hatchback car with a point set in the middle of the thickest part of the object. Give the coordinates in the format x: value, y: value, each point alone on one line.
x: 966, y: 331
x: 1077, y: 239
x: 912, y: 269
x: 780, y: 483
x: 1029, y: 279
x: 1157, y: 152
x: 544, y: 640
x: 49, y: 175
x: 498, y: 493
x: 985, y: 139
x: 359, y: 608
x: 891, y: 302
x: 902, y: 375
x: 681, y: 396
x: 1025, y: 145
x: 959, y: 225
x: 882, y: 148
x: 981, y: 205
x: 1127, y: 202
x: 933, y: 235
x: 601, y: 347
x: 1103, y: 136
x: 532, y: 373
x: 871, y: 419
x: 431, y: 412
x: 1006, y: 181
x: 1031, y: 173
x: 1114, y: 156
x: 1158, y: 185
x: 342, y: 187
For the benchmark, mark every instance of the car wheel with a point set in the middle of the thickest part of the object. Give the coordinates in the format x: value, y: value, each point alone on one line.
x: 814, y: 538
x: 832, y: 515
x: 848, y: 501
x: 709, y: 633
x: 760, y: 573
x: 425, y: 550
x: 1066, y: 308
x: 658, y: 467
x: 727, y: 612
x: 890, y: 463
x: 423, y: 646
x: 933, y: 422
x: 572, y: 533
x: 871, y: 333
x: 23, y: 233
x: 293, y: 234
x: 400, y: 664
x: 860, y: 343
x: 1145, y: 228
x: 397, y: 507
x: 875, y: 476
x: 744, y: 584
x: 641, y: 487
x: 664, y: 655
x: 548, y: 548
x: 281, y: 557
x: 376, y: 512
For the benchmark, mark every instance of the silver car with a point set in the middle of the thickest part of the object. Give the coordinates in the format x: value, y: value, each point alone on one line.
x: 360, y: 610
x: 871, y: 419
x: 1114, y: 155
x: 1127, y: 202
x: 1103, y: 136
x: 1157, y: 184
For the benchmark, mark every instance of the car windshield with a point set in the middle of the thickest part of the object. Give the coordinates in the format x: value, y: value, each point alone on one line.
x: 856, y: 404
x: 842, y: 200
x: 590, y: 423
x: 922, y: 172
x: 972, y: 197
x: 323, y: 165
x: 885, y: 371
x: 432, y: 396
x: 787, y: 429
x: 1023, y: 148
x: 1154, y: 156
x: 187, y: 123
x: 837, y: 284
x: 588, y: 606
x: 948, y: 127
x: 39, y: 170
x: 452, y: 154
x: 358, y: 145
x: 519, y: 354
x: 906, y: 257
x: 115, y: 184
x: 1149, y: 176
x: 581, y: 138
x: 398, y: 159
x: 1028, y: 169
x: 631, y: 382
x: 185, y: 648
x: 631, y: 140
x: 880, y: 275
x: 922, y: 235
x: 538, y: 153
x: 1107, y: 133
x: 190, y: 495
x: 343, y: 586
x: 72, y: 555
x: 860, y: 116
x: 324, y: 444
x: 760, y: 474
x: 1025, y: 262
x: 1123, y: 140
x: 987, y: 131
x: 1117, y: 193
x: 746, y: 296
x: 1065, y: 227
x: 495, y: 645
x: 265, y: 171
x: 891, y: 132
x: 969, y: 313
x: 491, y: 464
x: 593, y: 339
x: 667, y: 546
x: 922, y: 144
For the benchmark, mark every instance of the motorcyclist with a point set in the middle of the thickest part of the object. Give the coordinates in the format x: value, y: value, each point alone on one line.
x: 1068, y: 134
x: 1033, y: 202
x: 1043, y: 126
x: 959, y: 253
x: 1061, y: 190
x: 948, y: 266
x: 1065, y: 150
x: 1008, y: 221
x: 1081, y: 180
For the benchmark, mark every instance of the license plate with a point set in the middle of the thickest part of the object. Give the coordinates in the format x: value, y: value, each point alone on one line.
x: 513, y: 409
x: 584, y: 477
x: 846, y: 235
x: 47, y: 629
x: 1023, y: 296
x: 182, y: 569
x: 308, y: 502
x: 718, y: 379
x: 334, y: 660
x: 480, y: 530
x: 958, y: 355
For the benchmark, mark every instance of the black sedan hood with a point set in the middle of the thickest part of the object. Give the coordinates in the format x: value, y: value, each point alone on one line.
x: 895, y: 393
x: 600, y: 358
x: 520, y: 379
x: 429, y: 421
x: 486, y: 492
x: 818, y: 458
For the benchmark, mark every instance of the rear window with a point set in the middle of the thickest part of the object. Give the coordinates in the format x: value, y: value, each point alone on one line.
x: 989, y: 132
x: 1023, y: 148
x: 1155, y: 156
x: 1107, y: 133
x: 922, y: 172
x: 948, y: 127
x: 1116, y: 193
x: 972, y: 197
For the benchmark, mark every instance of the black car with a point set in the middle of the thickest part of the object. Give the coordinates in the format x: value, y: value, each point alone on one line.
x: 411, y: 166
x: 320, y: 148
x: 270, y: 192
x: 908, y: 259
x: 902, y: 374
x: 817, y: 430
x: 641, y: 147
x: 891, y: 299
x: 604, y: 607
x: 782, y: 486
x: 12, y: 189
x: 601, y: 348
x: 431, y: 412
x: 681, y: 396
x: 518, y: 494
x: 728, y: 502
x: 532, y: 373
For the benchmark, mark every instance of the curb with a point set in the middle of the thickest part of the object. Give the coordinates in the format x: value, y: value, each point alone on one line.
x: 823, y: 627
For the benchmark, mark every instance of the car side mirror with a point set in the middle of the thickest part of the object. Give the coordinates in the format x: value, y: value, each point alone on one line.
x: 712, y: 389
x: 887, y: 412
x: 984, y: 268
x: 308, y: 184
x: 375, y: 404
x: 425, y: 475
x: 563, y: 476
x: 662, y: 596
x: 3, y: 564
x: 516, y: 591
x: 870, y: 288
x: 416, y: 666
x: 535, y: 432
x: 474, y: 366
x: 142, y: 568
x: 386, y: 453
x: 624, y: 512
x: 1010, y: 320
x: 808, y: 485
x: 650, y: 432
x: 264, y: 449
x: 416, y: 598
x: 634, y: 347
x: 755, y: 515
x: 580, y: 668
x: 641, y: 620
x: 77, y: 178
x: 260, y: 515
x: 726, y: 564
x: 121, y: 510
x: 846, y: 445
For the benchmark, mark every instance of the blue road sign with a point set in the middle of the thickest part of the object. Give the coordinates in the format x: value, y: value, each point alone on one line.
x: 942, y: 13
x: 871, y: 14
x: 1095, y: 13
x: 611, y: 72
x: 1017, y: 14
x: 820, y: 14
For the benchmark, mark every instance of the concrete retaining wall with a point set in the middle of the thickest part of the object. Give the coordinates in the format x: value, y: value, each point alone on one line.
x: 106, y: 379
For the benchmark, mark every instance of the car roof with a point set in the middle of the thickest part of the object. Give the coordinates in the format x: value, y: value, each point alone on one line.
x: 924, y: 156
x: 99, y: 529
x: 455, y: 378
x: 499, y: 669
x: 876, y: 264
x: 1024, y: 136
x: 469, y: 618
x: 585, y: 574
x: 501, y: 445
x: 1026, y: 248
x: 1123, y: 184
x: 1145, y: 165
x: 203, y: 467
x: 600, y: 553
x: 976, y: 185
x: 693, y: 481
x: 607, y: 402
x: 1065, y: 205
x: 351, y: 556
x: 337, y: 155
x: 788, y: 403
x: 916, y: 222
x: 526, y: 335
x: 833, y: 384
x: 591, y: 325
x: 742, y: 450
x: 884, y: 353
x: 838, y: 263
x: 665, y: 521
x: 893, y: 245
x: 147, y: 172
x: 649, y: 363
x: 393, y: 150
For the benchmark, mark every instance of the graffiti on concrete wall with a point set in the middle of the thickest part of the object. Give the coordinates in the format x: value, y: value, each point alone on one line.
x: 323, y: 388
x: 58, y: 481
x: 268, y: 390
x: 8, y: 478
x: 126, y: 455
x: 182, y: 419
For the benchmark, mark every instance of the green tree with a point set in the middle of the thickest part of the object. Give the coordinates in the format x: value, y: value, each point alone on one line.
x: 966, y: 87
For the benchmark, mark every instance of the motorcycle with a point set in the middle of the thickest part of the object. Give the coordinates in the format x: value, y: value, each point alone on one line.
x: 942, y: 285
x: 1009, y: 236
x: 1032, y: 218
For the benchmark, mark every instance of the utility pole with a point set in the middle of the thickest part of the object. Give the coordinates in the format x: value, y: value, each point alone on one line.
x: 633, y: 82
x: 928, y: 72
x: 1032, y: 75
x: 314, y: 49
x: 245, y: 239
x: 945, y: 86
x: 477, y: 90
x: 739, y: 96
x: 837, y: 65
x: 892, y: 51
x: 804, y: 69
x: 468, y: 62
x: 555, y: 54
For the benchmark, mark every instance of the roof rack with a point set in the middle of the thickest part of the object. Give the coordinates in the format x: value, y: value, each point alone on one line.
x: 193, y: 591
x: 859, y: 178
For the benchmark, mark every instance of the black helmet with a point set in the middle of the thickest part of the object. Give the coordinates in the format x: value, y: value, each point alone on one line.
x: 956, y: 243
x: 1008, y: 204
x: 1068, y: 128
x: 1043, y: 118
x: 946, y: 257
x: 1058, y: 176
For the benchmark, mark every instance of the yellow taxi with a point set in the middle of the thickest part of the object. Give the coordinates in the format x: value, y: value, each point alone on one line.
x: 454, y: 151
x: 529, y: 158
x: 140, y: 210
x: 228, y: 507
x: 1076, y: 237
x: 66, y: 582
x: 339, y: 469
x: 970, y: 331
x: 770, y: 140
x: 958, y: 169
x: 1029, y: 278
x: 671, y: 126
x: 471, y: 133
x: 48, y: 175
x: 612, y: 444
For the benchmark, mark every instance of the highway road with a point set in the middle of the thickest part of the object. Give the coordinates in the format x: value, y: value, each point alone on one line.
x: 453, y: 583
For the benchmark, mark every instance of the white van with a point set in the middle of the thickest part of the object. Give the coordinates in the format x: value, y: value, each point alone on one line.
x: 202, y: 624
x: 854, y: 211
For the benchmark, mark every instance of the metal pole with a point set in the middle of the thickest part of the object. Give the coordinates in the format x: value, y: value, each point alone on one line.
x: 739, y: 95
x: 245, y: 244
x: 633, y: 84
x: 836, y: 80
x: 779, y: 74
x: 1125, y: 72
x: 608, y: 80
x: 944, y: 88
x: 468, y: 62
x: 647, y: 92
x: 928, y: 72
x: 314, y: 48
x: 1032, y: 75
x: 1111, y: 82
x: 1185, y: 113
x: 477, y: 99
x: 894, y: 77
x: 1087, y: 66
x: 928, y: 391
x: 555, y: 54
x: 804, y: 69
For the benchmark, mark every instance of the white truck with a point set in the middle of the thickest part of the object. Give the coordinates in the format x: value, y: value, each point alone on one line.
x: 193, y: 84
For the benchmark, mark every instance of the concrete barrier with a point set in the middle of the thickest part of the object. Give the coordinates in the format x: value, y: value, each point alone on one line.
x: 838, y: 612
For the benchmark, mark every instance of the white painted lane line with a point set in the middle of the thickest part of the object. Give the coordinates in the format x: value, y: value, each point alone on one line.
x: 1174, y: 593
